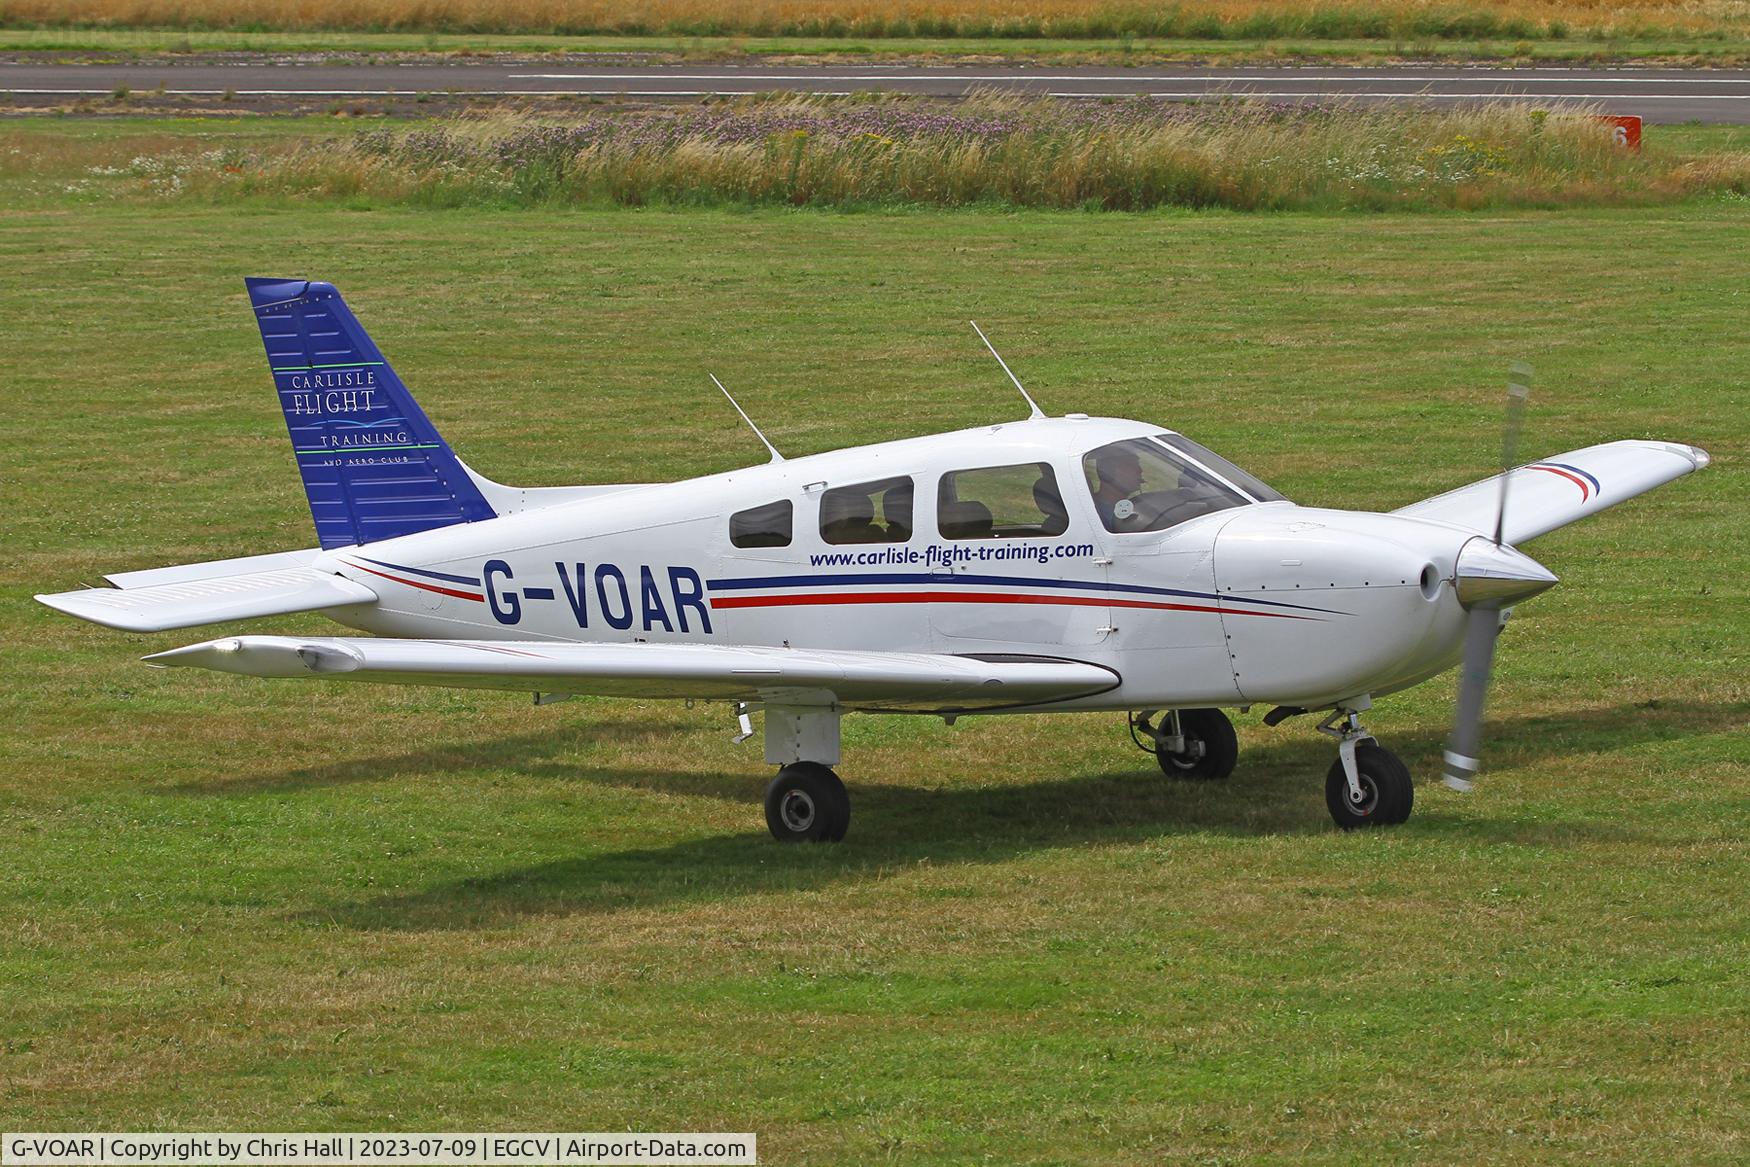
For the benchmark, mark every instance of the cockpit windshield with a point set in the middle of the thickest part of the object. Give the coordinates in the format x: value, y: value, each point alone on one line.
x: 1209, y: 459
x: 1150, y: 484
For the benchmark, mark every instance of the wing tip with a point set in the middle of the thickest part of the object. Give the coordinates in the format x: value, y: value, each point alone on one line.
x: 102, y: 612
x: 1697, y: 457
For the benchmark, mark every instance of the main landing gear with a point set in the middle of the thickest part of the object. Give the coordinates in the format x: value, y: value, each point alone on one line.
x: 1188, y: 743
x: 806, y: 802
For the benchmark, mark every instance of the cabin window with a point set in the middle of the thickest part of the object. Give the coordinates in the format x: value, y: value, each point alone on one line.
x: 1001, y: 502
x: 1141, y: 485
x: 763, y: 526
x: 870, y: 512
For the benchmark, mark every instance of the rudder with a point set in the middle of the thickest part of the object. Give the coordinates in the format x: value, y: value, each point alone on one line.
x: 373, y: 465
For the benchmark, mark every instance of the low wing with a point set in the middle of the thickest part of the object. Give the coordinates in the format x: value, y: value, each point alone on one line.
x: 1543, y: 496
x: 916, y: 682
x: 187, y: 602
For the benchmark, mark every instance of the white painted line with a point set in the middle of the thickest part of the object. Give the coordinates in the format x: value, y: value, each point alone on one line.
x: 1424, y: 94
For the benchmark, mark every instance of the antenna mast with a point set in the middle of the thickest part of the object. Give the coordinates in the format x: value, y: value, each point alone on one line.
x: 776, y: 457
x: 1032, y: 404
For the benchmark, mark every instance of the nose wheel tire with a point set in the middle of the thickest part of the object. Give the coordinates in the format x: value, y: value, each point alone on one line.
x: 1211, y: 748
x: 1386, y: 790
x: 806, y: 803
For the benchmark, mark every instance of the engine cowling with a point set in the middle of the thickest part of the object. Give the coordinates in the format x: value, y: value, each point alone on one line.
x: 1323, y: 605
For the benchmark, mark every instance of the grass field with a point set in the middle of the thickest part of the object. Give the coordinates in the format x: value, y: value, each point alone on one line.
x: 234, y: 905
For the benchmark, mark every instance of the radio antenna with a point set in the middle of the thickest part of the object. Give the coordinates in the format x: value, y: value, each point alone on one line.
x: 1032, y: 404
x: 776, y: 457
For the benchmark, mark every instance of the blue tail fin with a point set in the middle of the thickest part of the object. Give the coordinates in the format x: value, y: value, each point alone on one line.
x: 374, y: 467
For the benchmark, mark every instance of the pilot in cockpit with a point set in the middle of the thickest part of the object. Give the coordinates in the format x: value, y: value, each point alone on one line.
x: 1120, y: 476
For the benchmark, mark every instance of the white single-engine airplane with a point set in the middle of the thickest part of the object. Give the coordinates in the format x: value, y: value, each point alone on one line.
x: 1053, y: 564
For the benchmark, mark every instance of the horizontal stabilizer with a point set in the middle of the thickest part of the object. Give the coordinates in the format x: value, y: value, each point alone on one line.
x: 780, y: 676
x: 189, y: 603
x: 214, y: 568
x: 1543, y: 496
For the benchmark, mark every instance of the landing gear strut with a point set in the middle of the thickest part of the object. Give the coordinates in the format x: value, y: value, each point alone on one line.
x: 1188, y: 743
x: 1368, y: 785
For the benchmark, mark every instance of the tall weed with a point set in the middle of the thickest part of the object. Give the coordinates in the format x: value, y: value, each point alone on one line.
x: 992, y: 149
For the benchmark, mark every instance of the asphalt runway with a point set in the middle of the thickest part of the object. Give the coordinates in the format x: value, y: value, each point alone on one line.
x: 1657, y: 95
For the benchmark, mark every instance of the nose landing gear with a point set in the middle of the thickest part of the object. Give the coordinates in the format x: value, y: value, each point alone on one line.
x: 1368, y: 785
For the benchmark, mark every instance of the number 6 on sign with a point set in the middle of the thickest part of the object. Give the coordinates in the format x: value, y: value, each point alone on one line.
x: 1625, y: 129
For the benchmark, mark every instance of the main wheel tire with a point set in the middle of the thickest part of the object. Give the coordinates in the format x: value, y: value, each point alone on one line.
x: 806, y: 803
x: 1219, y: 749
x: 1386, y: 790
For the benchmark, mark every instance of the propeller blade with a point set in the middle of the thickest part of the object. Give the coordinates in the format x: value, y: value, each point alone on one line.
x: 1490, y: 582
x: 1518, y: 392
x: 1482, y: 628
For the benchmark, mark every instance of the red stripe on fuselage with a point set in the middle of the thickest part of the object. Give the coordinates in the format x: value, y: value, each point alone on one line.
x: 424, y: 586
x: 974, y: 598
x: 1585, y: 490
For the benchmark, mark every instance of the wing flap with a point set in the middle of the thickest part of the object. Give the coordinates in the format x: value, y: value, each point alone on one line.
x: 780, y: 676
x: 1543, y: 496
x: 190, y: 602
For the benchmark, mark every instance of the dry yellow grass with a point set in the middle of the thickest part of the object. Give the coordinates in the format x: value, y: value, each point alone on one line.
x: 992, y: 149
x: 975, y: 18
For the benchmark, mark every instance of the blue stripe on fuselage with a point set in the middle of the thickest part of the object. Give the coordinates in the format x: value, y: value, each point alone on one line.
x: 908, y: 577
x: 463, y: 579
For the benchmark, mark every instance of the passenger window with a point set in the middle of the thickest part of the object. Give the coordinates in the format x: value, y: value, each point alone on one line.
x: 1141, y: 485
x: 767, y: 526
x: 1001, y: 502
x: 870, y: 512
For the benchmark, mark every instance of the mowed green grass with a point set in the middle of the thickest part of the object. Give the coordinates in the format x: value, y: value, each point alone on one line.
x: 254, y: 905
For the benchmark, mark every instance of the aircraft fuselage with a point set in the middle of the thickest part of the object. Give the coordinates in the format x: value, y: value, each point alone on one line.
x: 1268, y: 602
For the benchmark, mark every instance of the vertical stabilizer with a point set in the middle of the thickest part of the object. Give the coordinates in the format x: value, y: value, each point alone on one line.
x: 373, y: 465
